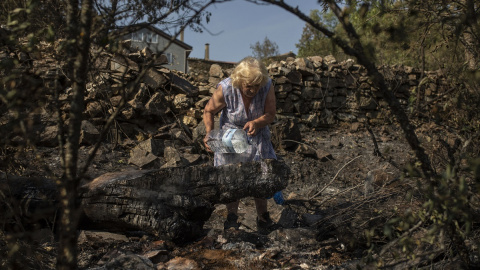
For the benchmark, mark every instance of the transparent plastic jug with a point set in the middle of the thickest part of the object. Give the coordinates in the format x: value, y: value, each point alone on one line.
x: 228, y: 140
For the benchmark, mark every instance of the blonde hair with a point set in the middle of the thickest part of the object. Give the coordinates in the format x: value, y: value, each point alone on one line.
x: 250, y: 71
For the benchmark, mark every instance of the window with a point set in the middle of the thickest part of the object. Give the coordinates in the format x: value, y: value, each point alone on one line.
x: 137, y: 36
x: 169, y: 57
x: 152, y: 38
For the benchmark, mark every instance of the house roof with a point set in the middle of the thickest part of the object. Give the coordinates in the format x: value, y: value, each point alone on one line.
x: 160, y: 33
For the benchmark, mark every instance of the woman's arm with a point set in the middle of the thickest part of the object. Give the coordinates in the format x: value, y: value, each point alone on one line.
x: 214, y: 105
x: 268, y: 116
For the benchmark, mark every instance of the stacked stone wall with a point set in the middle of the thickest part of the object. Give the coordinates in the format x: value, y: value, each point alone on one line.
x: 321, y: 92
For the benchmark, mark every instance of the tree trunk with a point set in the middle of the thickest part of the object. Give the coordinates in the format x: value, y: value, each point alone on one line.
x: 172, y: 203
x: 78, y: 54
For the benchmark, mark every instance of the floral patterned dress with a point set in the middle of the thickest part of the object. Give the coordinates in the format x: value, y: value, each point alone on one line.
x: 235, y: 115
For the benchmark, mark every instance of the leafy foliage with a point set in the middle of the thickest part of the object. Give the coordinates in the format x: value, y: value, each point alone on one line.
x: 313, y: 42
x: 403, y: 32
x: 34, y: 16
x: 265, y: 49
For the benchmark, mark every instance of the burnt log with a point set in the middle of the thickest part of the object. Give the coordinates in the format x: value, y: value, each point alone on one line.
x: 174, y: 203
x: 26, y: 203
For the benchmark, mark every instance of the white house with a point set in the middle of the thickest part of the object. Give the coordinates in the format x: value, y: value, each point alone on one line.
x: 157, y: 41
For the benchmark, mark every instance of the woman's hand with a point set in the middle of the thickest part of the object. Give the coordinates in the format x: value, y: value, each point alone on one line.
x: 206, y: 145
x: 251, y: 128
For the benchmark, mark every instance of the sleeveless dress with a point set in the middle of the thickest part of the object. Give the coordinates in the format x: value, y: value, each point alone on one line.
x: 234, y: 115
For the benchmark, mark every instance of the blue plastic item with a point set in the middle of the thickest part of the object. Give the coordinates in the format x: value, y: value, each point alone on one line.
x: 278, y: 198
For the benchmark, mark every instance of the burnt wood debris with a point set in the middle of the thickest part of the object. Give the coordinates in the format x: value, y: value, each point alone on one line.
x: 172, y: 203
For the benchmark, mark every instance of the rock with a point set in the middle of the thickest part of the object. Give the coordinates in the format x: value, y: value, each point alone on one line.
x: 173, y: 158
x: 154, y: 79
x: 193, y: 159
x: 100, y: 236
x: 157, y: 256
x: 130, y: 261
x: 323, y: 155
x: 305, y: 150
x: 142, y: 95
x: 285, y: 134
x: 146, y: 52
x: 179, y: 263
x: 122, y: 65
x: 304, y: 66
x: 89, y: 134
x: 295, y: 77
x: 288, y: 218
x: 189, y: 121
x: 48, y: 136
x: 311, y: 219
x: 153, y: 146
x: 367, y: 103
x: 94, y: 109
x: 181, y: 85
x: 142, y: 158
x: 329, y: 60
x: 182, y: 102
x: 156, y: 106
x: 311, y: 120
x: 216, y: 71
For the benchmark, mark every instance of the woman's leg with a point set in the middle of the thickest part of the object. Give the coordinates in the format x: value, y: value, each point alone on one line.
x: 232, y: 208
x: 261, y: 205
x: 232, y: 216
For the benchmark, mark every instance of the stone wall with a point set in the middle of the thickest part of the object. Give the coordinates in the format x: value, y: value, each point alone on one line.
x: 316, y: 92
x: 321, y: 92
x: 162, y: 115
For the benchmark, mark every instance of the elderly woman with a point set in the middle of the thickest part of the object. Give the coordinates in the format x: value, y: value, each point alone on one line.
x: 247, y: 101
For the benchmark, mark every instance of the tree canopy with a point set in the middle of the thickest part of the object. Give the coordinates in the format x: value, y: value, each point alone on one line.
x: 265, y: 49
x: 404, y: 32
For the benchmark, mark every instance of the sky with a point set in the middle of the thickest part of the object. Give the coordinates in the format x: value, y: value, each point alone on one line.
x: 235, y: 26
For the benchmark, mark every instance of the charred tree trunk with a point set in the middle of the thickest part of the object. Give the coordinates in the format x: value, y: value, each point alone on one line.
x: 172, y: 203
x: 175, y: 202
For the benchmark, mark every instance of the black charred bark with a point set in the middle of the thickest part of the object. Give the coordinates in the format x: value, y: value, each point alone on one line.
x: 175, y: 202
x: 172, y: 203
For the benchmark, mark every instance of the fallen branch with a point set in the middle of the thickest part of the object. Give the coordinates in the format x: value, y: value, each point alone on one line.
x: 320, y: 192
x: 338, y: 193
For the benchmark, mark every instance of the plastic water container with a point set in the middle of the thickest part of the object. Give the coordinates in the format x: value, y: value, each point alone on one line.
x: 228, y: 140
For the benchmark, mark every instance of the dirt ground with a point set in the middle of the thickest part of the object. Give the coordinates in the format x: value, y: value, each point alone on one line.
x: 332, y: 219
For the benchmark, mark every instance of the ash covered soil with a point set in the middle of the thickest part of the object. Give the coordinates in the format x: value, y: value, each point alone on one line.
x: 324, y: 218
x: 332, y: 200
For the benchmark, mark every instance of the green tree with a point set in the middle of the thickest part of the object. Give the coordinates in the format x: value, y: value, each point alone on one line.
x: 314, y: 42
x: 36, y: 16
x: 403, y: 32
x: 265, y: 49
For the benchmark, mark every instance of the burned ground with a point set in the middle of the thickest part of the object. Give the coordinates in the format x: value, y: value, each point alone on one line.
x: 353, y: 198
x: 334, y: 216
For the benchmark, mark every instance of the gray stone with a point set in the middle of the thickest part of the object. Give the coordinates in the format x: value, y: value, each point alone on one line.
x: 153, y: 146
x: 156, y: 105
x: 216, y: 71
x: 89, y: 134
x: 154, y: 79
x: 182, y: 102
x: 130, y: 261
x: 285, y: 134
x: 180, y: 85
x: 94, y: 109
x: 141, y: 158
x: 48, y: 136
x: 100, y: 237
